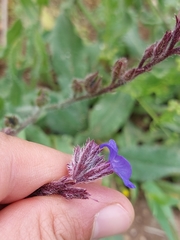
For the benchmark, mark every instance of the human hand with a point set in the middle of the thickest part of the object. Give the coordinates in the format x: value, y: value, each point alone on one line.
x: 26, y: 166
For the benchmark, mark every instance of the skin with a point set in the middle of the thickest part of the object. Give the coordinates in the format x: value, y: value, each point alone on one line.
x: 26, y: 166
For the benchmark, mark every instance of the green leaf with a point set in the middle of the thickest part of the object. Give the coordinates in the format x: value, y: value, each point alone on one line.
x: 14, y: 59
x: 35, y: 134
x: 114, y: 27
x: 1, y: 106
x: 5, y: 87
x: 29, y: 9
x: 68, y: 121
x: 152, y: 162
x: 68, y: 53
x: 156, y: 193
x: 170, y: 118
x: 62, y: 143
x: 151, y: 83
x: 109, y: 114
x: 41, y: 68
x: 130, y: 135
x: 42, y: 2
x: 15, y: 93
x: 160, y: 204
x: 133, y: 42
x: 22, y: 134
x: 14, y: 32
x: 171, y: 189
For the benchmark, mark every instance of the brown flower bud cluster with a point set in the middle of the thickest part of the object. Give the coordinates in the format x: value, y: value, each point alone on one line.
x: 154, y: 54
x: 91, y: 84
x: 42, y: 97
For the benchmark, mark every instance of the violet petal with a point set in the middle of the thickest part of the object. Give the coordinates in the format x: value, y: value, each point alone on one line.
x: 112, y: 148
x: 120, y: 165
x: 123, y: 169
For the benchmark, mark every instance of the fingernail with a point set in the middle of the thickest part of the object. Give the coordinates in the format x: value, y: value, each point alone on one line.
x: 111, y: 220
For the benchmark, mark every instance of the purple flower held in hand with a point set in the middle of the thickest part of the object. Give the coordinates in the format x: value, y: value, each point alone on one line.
x: 87, y: 165
x: 119, y: 164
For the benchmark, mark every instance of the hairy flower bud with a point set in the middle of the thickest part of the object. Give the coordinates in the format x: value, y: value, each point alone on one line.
x: 92, y: 83
x: 77, y: 86
x: 42, y: 98
x: 11, y: 121
x: 175, y: 36
x: 118, y: 69
x: 129, y: 75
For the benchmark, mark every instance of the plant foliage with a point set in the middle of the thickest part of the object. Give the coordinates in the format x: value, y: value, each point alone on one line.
x: 53, y: 44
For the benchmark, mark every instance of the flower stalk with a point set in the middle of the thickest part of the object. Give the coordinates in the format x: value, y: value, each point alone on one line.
x: 91, y: 86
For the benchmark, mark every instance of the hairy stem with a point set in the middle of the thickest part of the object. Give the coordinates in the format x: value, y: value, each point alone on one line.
x: 33, y: 118
x: 153, y: 55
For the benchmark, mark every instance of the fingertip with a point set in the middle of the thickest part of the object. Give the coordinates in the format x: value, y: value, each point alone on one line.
x: 111, y: 220
x: 115, y: 215
x: 25, y: 166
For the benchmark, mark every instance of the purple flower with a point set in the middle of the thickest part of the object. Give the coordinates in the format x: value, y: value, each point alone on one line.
x: 119, y: 164
x: 87, y: 165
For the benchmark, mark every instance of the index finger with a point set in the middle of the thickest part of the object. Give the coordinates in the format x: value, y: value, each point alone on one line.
x: 25, y: 166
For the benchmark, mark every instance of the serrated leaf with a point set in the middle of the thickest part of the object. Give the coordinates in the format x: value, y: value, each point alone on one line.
x: 109, y: 114
x: 152, y: 162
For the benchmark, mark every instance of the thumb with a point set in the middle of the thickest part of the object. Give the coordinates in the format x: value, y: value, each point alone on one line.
x: 54, y: 217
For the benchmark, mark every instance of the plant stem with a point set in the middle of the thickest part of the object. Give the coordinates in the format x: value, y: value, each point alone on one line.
x: 153, y: 55
x: 33, y: 118
x: 83, y: 97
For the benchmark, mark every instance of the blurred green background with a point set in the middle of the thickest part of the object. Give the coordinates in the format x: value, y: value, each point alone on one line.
x: 50, y: 43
